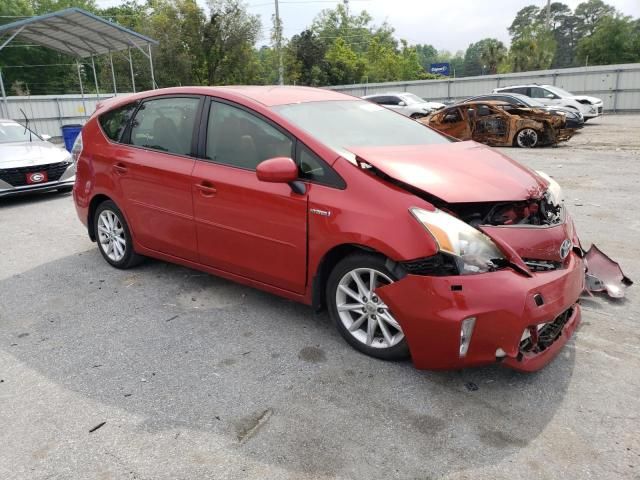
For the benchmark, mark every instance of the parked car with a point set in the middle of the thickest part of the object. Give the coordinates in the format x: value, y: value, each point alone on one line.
x: 28, y: 162
x: 500, y: 124
x: 575, y: 120
x: 590, y: 107
x: 407, y: 104
x: 449, y: 251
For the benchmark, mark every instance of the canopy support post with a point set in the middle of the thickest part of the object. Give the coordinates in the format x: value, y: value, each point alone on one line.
x: 95, y: 77
x: 153, y: 79
x: 15, y: 34
x: 84, y: 103
x: 133, y: 80
x: 4, y: 97
x: 113, y: 75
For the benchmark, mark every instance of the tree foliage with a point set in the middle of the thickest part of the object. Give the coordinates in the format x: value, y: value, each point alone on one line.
x: 220, y: 45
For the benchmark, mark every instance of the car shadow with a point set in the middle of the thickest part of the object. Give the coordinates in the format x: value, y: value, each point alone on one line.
x: 30, y: 198
x: 273, y: 382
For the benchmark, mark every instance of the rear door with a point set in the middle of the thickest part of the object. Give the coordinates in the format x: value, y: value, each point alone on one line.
x: 244, y: 226
x: 154, y: 174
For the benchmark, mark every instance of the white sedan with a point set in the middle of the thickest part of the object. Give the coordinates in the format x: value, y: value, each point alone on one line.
x: 28, y: 162
x: 407, y: 104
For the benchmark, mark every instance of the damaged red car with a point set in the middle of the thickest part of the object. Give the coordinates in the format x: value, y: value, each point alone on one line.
x: 418, y: 245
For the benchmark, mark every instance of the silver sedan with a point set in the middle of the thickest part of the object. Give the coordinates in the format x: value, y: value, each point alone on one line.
x: 28, y: 162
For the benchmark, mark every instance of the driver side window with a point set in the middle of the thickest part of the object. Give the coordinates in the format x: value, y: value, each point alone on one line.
x: 238, y: 138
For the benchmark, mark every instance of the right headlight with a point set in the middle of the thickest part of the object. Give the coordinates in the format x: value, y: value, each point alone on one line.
x: 474, y: 251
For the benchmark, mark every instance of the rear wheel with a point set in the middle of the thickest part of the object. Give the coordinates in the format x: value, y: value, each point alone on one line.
x: 527, y: 138
x: 113, y: 236
x: 361, y: 317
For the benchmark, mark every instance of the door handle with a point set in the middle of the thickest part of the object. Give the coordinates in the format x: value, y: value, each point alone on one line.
x: 206, y: 190
x: 120, y: 169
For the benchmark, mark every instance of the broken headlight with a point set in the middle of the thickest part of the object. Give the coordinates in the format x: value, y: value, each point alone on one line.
x: 554, y: 192
x: 473, y: 250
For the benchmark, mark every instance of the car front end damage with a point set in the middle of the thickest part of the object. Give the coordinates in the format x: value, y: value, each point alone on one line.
x: 520, y: 310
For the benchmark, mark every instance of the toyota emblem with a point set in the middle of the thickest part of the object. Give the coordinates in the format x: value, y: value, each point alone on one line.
x: 565, y: 248
x: 37, y: 177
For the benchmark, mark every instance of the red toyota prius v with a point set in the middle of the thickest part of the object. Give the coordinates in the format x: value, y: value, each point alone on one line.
x: 417, y: 244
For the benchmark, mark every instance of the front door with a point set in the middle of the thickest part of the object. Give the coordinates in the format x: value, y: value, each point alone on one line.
x: 154, y: 173
x: 245, y: 226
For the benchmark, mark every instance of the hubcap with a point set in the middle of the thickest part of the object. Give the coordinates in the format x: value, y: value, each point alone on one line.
x: 111, y: 235
x: 527, y: 138
x: 365, y: 316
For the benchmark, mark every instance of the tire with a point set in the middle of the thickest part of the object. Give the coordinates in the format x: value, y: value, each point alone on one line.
x: 114, y: 237
x: 369, y: 326
x: 416, y: 116
x: 526, y: 138
x: 65, y: 189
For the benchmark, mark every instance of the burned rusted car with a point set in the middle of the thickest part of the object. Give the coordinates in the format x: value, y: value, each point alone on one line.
x: 500, y: 124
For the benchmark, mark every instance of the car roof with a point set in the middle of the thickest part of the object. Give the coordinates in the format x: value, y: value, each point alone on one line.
x: 525, y: 85
x: 385, y: 94
x: 490, y: 102
x: 268, y: 96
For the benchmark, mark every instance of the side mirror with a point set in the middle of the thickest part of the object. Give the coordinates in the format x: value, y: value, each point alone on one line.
x: 550, y: 96
x: 45, y: 137
x: 402, y: 104
x: 277, y: 170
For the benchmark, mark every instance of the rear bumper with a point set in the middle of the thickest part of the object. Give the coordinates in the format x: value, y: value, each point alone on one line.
x: 503, y: 303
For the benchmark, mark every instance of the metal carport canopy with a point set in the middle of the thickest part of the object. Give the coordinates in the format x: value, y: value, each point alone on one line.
x: 81, y: 34
x: 76, y: 32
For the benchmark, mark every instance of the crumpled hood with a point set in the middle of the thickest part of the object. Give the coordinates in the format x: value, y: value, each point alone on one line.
x: 456, y: 172
x: 593, y: 100
x: 25, y: 154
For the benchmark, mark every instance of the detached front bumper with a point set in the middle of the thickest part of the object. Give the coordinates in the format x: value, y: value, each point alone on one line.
x: 504, y: 304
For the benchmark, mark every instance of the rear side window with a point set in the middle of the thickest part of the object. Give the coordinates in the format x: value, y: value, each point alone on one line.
x: 115, y: 121
x: 165, y: 124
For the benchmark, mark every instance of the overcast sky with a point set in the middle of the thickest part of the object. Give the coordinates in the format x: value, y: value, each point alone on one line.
x: 446, y: 24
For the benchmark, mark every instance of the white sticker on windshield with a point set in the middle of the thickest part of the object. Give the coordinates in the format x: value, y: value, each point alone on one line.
x: 370, y: 107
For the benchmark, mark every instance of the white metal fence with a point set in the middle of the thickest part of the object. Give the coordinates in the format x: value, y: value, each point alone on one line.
x: 48, y: 113
x: 617, y: 85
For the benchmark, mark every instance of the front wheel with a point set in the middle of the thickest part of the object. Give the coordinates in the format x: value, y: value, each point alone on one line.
x: 526, y: 138
x: 113, y: 236
x: 361, y: 317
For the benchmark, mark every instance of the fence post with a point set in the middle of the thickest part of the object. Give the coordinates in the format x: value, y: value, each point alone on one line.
x: 615, y: 92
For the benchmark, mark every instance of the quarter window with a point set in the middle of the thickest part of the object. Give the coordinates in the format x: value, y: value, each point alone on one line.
x: 240, y: 139
x: 315, y: 170
x: 115, y: 121
x: 165, y: 124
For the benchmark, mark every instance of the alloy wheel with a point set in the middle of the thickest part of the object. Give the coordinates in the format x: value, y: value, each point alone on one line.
x: 365, y: 316
x: 111, y: 236
x: 527, y: 138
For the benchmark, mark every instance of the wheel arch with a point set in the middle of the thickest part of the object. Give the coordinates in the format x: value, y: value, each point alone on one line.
x: 93, y: 206
x: 329, y: 260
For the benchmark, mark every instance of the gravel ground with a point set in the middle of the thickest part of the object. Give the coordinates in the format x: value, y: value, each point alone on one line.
x: 189, y: 376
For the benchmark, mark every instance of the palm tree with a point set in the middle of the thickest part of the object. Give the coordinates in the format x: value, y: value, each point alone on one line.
x: 492, y: 53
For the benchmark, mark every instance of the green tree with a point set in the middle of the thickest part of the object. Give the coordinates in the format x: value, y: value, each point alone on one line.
x: 589, y: 13
x: 344, y: 65
x: 306, y: 53
x: 492, y: 53
x: 614, y: 40
x: 534, y: 50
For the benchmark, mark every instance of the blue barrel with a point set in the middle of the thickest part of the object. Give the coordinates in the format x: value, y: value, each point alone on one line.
x: 69, y: 133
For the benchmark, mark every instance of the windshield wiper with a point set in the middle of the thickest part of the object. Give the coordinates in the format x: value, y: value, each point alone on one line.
x: 26, y: 125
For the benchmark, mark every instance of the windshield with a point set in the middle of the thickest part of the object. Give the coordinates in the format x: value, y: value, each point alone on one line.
x: 559, y: 91
x: 14, y: 132
x: 353, y: 123
x: 410, y: 98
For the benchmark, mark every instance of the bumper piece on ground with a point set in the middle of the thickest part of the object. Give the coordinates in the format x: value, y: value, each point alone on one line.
x: 603, y: 274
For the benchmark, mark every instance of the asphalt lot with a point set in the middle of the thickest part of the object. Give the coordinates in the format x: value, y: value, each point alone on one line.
x: 200, y: 378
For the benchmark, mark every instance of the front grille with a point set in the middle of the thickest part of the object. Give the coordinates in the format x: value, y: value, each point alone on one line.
x: 542, y: 338
x: 541, y: 265
x: 17, y: 177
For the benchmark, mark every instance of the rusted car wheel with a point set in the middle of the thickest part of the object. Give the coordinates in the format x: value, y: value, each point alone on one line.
x: 526, y: 138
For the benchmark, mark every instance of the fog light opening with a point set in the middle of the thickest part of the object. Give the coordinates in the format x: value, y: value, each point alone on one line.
x: 466, y: 330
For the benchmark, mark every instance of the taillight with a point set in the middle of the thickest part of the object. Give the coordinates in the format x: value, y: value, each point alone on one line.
x: 76, y: 150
